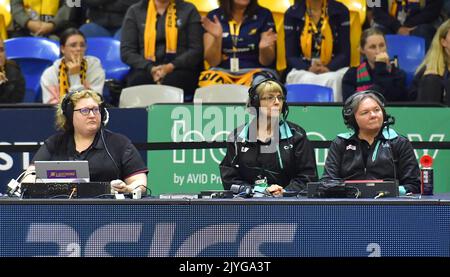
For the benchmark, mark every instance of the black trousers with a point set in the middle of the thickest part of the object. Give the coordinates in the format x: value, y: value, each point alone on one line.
x: 180, y: 78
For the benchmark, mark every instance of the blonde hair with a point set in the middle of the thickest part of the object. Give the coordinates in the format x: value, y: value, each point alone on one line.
x: 269, y: 86
x: 436, y: 59
x: 62, y: 121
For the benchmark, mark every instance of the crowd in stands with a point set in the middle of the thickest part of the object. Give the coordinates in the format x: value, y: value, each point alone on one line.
x: 168, y: 42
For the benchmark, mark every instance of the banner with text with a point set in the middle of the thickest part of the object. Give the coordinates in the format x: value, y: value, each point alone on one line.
x: 191, y: 171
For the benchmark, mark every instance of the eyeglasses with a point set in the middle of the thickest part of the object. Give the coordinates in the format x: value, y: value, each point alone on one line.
x: 272, y: 98
x: 86, y: 111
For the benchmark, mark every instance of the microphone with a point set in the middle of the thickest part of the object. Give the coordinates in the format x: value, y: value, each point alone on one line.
x: 245, y: 191
x: 390, y: 120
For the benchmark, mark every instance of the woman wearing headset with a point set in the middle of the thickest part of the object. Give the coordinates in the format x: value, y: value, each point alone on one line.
x: 371, y: 150
x: 269, y: 147
x: 81, y: 116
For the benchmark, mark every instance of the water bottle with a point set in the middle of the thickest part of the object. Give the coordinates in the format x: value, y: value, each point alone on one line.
x: 426, y: 175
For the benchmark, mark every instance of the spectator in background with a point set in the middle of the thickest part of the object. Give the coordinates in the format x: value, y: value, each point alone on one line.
x: 317, y: 38
x: 431, y: 82
x: 269, y: 148
x: 376, y: 71
x: 161, y: 42
x: 372, y: 150
x: 73, y: 71
x: 103, y: 18
x: 39, y: 18
x: 408, y: 17
x: 239, y: 41
x: 12, y: 82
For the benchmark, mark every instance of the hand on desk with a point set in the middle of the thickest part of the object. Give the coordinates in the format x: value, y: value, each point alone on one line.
x: 119, y: 186
x: 275, y: 190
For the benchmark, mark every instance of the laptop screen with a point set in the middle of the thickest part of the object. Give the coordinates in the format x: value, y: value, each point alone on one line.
x: 62, y: 171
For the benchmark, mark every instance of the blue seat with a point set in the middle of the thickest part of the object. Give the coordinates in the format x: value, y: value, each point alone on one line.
x: 308, y: 93
x: 108, y: 51
x: 34, y: 55
x: 410, y: 51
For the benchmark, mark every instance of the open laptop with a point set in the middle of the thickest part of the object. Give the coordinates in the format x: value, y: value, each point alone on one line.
x: 62, y: 171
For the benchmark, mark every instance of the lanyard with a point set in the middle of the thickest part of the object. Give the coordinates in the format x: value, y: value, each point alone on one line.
x: 235, y: 28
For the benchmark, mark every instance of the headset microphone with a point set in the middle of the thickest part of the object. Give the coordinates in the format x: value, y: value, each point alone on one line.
x: 389, y: 120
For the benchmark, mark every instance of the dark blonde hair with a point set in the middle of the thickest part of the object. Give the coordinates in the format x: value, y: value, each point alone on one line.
x: 64, y: 112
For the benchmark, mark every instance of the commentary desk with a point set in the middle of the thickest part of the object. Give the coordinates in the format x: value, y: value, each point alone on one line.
x: 272, y: 227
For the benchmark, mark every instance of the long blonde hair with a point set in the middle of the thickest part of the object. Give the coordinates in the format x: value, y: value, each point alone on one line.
x: 437, y: 59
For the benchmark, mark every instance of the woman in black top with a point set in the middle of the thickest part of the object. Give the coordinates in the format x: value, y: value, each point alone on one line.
x: 112, y: 157
x: 375, y: 71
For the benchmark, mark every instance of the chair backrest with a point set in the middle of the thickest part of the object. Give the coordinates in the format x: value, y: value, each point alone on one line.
x: 308, y: 93
x: 222, y: 94
x: 34, y: 55
x: 146, y: 95
x: 108, y: 51
x: 410, y: 51
x: 204, y: 6
x: 32, y: 48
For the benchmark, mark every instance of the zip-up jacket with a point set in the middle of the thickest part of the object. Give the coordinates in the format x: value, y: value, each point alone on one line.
x: 432, y: 88
x: 290, y: 164
x: 189, y: 42
x: 294, y: 21
x: 345, y: 160
x: 391, y: 84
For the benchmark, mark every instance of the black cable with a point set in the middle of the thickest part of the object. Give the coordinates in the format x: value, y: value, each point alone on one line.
x: 391, y: 154
x: 109, y: 154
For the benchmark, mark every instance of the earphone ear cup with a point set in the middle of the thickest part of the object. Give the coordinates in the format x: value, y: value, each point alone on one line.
x: 67, y: 106
x: 253, y: 96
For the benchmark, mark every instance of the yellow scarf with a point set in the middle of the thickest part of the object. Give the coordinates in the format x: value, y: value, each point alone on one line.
x: 150, y: 30
x: 42, y: 7
x: 310, y: 28
x: 63, y: 78
x: 217, y: 77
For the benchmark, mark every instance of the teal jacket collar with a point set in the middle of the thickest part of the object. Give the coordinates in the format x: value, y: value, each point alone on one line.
x: 387, y: 134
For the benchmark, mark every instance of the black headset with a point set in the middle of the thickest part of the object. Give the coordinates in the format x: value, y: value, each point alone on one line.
x: 254, y: 100
x: 348, y: 114
x: 67, y: 108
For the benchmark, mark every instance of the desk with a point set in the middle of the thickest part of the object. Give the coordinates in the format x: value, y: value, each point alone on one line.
x: 226, y: 228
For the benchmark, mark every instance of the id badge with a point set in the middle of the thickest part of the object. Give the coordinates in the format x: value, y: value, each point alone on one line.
x: 401, y: 16
x: 234, y: 64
